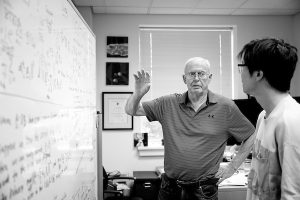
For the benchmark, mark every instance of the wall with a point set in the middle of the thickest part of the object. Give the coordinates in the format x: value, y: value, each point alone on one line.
x: 118, y: 150
x: 295, y: 89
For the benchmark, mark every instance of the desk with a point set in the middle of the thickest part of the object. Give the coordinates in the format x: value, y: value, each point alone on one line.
x: 232, y: 192
x: 147, y: 183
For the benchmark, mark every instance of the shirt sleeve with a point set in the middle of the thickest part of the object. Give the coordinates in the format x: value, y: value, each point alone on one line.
x: 238, y: 125
x: 153, y: 109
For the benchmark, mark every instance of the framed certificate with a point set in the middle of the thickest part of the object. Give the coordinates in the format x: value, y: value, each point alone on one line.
x: 113, y: 108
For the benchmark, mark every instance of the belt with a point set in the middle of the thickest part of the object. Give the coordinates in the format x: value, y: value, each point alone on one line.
x: 196, y: 184
x: 192, y: 184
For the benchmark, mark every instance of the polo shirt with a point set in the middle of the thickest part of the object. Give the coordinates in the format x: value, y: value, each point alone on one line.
x: 194, y: 142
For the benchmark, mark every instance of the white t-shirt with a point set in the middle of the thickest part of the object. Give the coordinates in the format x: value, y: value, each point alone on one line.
x: 275, y: 164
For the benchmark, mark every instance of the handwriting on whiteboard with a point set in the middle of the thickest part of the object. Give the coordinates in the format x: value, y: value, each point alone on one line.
x: 47, y: 109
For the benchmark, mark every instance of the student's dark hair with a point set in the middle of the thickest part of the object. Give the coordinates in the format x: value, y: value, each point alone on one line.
x: 274, y: 57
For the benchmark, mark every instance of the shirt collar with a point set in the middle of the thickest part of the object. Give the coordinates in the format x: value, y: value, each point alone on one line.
x: 211, y: 98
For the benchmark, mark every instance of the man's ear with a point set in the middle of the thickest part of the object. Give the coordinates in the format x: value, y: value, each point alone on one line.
x: 184, y: 79
x: 209, y: 79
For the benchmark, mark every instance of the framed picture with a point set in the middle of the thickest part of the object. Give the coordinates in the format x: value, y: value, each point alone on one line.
x: 117, y: 47
x: 113, y: 108
x: 117, y: 73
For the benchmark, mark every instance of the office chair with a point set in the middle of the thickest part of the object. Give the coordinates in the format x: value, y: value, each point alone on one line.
x: 110, y: 190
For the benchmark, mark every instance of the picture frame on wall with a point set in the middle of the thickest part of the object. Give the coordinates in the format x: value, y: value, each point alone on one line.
x: 117, y: 73
x: 117, y: 47
x: 113, y: 108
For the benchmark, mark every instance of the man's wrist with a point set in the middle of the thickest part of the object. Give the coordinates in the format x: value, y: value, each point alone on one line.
x: 138, y: 94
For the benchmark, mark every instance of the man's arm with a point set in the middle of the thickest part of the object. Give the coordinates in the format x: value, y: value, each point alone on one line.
x: 241, y: 155
x: 142, y: 85
x: 134, y: 107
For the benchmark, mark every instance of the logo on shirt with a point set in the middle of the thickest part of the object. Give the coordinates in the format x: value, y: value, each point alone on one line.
x: 211, y: 116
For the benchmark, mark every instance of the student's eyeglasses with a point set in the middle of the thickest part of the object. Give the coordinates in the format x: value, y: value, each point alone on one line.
x: 201, y: 75
x: 241, y: 66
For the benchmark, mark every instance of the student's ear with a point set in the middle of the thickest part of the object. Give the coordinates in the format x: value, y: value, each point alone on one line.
x: 259, y: 75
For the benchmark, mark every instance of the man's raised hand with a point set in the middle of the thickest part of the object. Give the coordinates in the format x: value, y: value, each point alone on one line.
x: 142, y: 82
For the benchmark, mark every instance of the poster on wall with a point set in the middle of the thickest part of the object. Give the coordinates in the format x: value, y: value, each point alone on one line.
x: 117, y: 47
x: 114, y: 116
x: 117, y: 73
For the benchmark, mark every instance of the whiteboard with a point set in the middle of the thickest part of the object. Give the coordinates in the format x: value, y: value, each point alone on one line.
x: 47, y: 102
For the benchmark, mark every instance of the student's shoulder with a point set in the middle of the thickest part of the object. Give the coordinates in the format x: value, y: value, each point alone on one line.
x: 291, y: 112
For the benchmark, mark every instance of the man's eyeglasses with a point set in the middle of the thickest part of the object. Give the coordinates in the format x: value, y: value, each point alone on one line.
x: 201, y: 75
x: 241, y: 66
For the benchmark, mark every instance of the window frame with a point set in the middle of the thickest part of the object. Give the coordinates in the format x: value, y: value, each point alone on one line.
x: 233, y: 31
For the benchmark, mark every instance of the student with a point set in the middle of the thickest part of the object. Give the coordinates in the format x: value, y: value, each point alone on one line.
x: 196, y: 126
x: 267, y: 70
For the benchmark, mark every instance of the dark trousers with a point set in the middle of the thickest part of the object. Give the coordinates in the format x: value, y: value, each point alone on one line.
x: 171, y: 189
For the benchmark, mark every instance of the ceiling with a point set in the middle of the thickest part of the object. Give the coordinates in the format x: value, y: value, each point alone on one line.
x: 193, y: 7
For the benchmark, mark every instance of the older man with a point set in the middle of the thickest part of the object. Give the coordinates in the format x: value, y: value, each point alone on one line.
x: 196, y: 126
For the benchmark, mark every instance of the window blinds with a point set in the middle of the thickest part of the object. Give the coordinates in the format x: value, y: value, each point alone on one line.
x: 164, y: 51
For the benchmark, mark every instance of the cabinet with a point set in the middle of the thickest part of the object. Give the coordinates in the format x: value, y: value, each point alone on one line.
x: 146, y: 185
